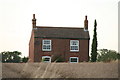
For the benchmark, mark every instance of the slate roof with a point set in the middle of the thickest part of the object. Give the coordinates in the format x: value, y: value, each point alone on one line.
x: 61, y: 32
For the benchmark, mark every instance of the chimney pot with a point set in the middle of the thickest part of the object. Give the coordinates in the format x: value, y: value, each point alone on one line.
x: 86, y: 23
x: 33, y: 16
x: 34, y: 21
x: 86, y: 17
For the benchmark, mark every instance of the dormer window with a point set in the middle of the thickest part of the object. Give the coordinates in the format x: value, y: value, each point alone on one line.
x: 46, y: 45
x: 74, y: 45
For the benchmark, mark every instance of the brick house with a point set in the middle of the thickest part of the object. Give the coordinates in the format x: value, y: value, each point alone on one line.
x: 67, y: 44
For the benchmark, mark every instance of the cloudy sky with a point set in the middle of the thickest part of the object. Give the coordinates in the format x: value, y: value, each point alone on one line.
x: 16, y: 16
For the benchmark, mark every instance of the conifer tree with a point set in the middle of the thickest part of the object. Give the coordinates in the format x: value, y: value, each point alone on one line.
x: 94, y: 44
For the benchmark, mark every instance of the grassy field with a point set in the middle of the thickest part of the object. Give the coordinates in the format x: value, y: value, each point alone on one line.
x: 60, y: 70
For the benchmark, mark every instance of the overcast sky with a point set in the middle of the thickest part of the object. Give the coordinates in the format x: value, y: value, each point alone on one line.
x: 16, y: 24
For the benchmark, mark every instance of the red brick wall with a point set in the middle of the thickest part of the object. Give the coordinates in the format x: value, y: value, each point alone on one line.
x: 31, y: 48
x: 61, y: 47
x: 84, y: 50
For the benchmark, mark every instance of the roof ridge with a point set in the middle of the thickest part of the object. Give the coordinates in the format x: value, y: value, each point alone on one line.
x: 59, y: 27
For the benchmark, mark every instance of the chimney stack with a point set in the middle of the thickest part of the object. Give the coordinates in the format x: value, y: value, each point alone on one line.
x: 34, y: 21
x: 85, y: 24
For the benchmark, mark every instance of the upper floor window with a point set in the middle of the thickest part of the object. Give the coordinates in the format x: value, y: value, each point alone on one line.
x: 74, y: 45
x: 46, y: 45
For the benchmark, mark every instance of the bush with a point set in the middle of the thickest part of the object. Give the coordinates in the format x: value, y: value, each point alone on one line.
x: 107, y: 55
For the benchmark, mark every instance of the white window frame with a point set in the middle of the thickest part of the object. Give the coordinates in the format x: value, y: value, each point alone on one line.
x: 46, y: 45
x: 74, y: 57
x: 74, y: 45
x: 46, y: 57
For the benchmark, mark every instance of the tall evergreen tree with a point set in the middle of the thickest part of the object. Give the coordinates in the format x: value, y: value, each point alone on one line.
x: 94, y: 44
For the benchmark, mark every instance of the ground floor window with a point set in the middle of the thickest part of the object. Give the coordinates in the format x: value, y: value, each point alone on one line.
x: 46, y: 59
x: 73, y: 60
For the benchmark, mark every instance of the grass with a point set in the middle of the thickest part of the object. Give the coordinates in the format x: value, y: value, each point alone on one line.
x: 60, y: 70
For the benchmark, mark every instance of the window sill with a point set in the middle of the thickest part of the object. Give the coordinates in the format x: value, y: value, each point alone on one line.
x: 73, y: 62
x: 73, y: 51
x: 47, y: 50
